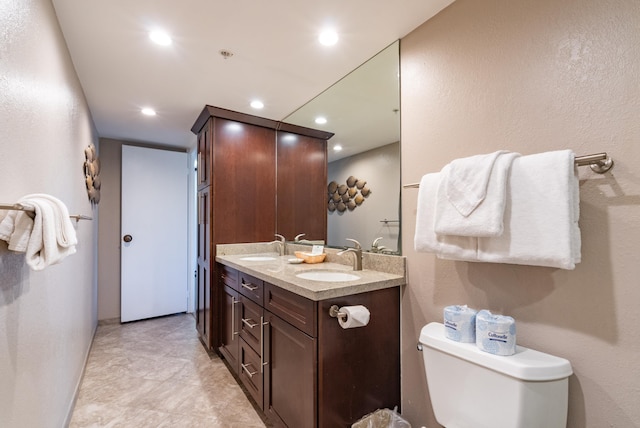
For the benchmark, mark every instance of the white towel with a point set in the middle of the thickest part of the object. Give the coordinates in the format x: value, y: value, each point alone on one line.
x: 472, y: 194
x: 466, y: 183
x: 15, y: 229
x: 541, y: 217
x: 53, y: 237
x: 426, y: 240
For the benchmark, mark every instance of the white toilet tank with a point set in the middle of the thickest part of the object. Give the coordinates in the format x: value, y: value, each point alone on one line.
x: 470, y: 388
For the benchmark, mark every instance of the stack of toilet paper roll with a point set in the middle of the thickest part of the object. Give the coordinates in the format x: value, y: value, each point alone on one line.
x: 495, y: 334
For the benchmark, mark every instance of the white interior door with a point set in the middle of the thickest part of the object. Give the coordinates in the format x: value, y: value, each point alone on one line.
x: 154, y: 248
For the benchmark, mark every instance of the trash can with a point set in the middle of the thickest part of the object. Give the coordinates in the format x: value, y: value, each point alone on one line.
x: 382, y: 418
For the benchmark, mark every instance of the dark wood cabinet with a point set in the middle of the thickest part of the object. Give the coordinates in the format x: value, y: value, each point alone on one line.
x: 229, y: 346
x: 203, y: 268
x: 204, y: 156
x: 303, y: 369
x: 302, y: 186
x: 238, y: 167
x: 290, y: 383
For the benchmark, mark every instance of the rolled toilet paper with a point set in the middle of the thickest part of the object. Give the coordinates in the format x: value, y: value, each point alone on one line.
x: 495, y: 334
x: 460, y: 323
x: 357, y: 316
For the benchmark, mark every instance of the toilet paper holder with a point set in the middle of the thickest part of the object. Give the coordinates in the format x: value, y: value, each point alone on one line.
x: 334, y: 312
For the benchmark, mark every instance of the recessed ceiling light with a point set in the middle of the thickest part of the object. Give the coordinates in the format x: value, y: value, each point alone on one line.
x: 328, y: 37
x: 148, y: 111
x: 257, y: 104
x: 337, y: 148
x: 321, y: 120
x: 160, y: 37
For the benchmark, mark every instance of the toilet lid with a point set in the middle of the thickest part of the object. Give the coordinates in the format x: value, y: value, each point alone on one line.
x: 525, y: 364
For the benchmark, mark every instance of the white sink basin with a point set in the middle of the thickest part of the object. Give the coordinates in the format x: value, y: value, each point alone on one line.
x: 257, y: 258
x: 327, y: 276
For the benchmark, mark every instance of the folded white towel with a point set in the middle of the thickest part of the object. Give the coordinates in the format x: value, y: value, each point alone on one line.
x: 15, y: 229
x: 426, y: 240
x: 53, y: 236
x: 472, y: 194
x: 541, y: 216
x: 467, y: 180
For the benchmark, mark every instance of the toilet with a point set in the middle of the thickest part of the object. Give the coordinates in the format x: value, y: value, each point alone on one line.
x: 472, y: 388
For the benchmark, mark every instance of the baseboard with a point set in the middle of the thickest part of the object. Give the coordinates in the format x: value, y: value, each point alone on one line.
x: 72, y: 406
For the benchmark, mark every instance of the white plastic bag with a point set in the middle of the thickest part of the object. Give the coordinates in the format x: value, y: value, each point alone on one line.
x: 382, y: 418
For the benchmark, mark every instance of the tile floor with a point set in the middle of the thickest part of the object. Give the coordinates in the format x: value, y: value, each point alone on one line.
x: 156, y: 373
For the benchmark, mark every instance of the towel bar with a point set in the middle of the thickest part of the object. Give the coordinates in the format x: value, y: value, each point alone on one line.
x: 18, y: 207
x: 599, y: 163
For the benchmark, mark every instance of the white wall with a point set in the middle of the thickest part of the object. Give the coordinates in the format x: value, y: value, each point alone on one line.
x: 533, y: 76
x: 47, y: 318
x: 380, y: 167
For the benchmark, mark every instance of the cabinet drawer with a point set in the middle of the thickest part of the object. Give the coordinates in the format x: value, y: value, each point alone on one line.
x: 251, y: 287
x: 250, y: 326
x: 228, y: 276
x: 296, y: 310
x: 251, y: 373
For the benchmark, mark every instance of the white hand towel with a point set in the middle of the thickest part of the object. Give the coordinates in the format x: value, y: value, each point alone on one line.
x: 541, y: 216
x: 425, y: 239
x: 8, y: 225
x: 53, y: 237
x: 485, y: 177
x: 467, y: 180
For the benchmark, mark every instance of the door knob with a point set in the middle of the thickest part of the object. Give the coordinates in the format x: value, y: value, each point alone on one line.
x: 127, y: 238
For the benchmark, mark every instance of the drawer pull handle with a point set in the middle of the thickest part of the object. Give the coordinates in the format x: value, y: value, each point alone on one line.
x: 245, y: 367
x: 248, y: 322
x: 249, y: 286
x: 233, y: 317
x: 262, y: 361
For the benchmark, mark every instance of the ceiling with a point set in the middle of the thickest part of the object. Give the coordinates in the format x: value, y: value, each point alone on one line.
x: 276, y: 56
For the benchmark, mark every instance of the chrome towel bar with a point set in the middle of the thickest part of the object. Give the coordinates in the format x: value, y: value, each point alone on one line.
x: 599, y: 163
x: 18, y: 207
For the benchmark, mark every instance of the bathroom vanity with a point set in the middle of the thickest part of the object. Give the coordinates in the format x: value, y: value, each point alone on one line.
x: 245, y: 164
x: 301, y: 368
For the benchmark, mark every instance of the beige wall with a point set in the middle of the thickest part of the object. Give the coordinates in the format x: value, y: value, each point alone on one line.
x: 47, y: 318
x: 109, y: 231
x: 532, y: 76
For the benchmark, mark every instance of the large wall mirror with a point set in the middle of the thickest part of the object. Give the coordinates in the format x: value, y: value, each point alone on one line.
x: 363, y: 110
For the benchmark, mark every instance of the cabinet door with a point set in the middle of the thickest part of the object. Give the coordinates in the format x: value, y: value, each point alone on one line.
x: 244, y: 182
x: 230, y: 340
x: 302, y: 186
x: 203, y: 291
x: 290, y: 381
x: 204, y: 155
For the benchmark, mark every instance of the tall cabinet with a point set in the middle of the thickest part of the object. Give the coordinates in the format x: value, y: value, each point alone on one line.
x: 256, y: 177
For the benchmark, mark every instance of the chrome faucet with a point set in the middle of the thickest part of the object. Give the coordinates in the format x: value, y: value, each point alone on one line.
x: 357, y: 254
x: 377, y: 248
x: 280, y: 241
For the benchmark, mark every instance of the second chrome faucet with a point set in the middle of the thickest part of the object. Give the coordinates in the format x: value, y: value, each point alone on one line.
x: 357, y: 254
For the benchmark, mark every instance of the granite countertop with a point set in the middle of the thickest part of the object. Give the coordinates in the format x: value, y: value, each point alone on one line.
x: 283, y: 274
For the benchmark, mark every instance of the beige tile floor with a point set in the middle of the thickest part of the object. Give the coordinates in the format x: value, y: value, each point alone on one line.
x: 156, y: 373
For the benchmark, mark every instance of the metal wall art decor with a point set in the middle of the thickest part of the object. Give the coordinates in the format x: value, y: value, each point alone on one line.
x: 349, y: 196
x: 92, y: 174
